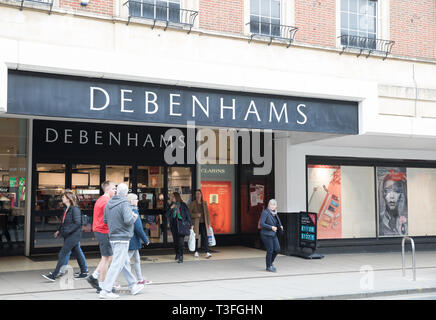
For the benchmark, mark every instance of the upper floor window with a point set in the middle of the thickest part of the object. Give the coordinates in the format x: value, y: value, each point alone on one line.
x: 163, y: 10
x: 359, y: 23
x: 265, y: 17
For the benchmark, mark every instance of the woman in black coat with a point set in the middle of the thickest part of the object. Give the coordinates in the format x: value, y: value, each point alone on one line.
x: 70, y: 228
x: 270, y: 224
x: 180, y: 223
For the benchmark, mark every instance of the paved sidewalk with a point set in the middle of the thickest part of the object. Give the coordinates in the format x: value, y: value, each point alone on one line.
x: 337, y: 276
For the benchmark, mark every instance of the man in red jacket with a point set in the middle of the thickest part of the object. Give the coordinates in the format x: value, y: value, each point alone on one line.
x: 101, y: 233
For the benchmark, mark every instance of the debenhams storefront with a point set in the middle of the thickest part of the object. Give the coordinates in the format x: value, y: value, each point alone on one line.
x: 62, y: 132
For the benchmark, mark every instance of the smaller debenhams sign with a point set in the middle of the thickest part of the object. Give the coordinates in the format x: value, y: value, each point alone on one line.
x: 75, y: 97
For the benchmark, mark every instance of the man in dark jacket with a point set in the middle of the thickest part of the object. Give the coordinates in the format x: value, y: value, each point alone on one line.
x: 120, y: 219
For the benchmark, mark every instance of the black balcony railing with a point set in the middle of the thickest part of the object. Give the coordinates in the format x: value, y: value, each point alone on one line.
x: 272, y: 31
x: 171, y: 15
x: 46, y: 2
x: 366, y: 44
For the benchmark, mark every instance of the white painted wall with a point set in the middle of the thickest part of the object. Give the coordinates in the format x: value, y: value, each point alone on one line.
x: 108, y: 48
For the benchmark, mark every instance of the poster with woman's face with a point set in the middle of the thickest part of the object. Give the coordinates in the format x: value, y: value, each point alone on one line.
x: 392, y: 201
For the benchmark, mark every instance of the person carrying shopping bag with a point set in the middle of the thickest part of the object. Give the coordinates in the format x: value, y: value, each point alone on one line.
x: 138, y: 236
x: 200, y: 217
x: 70, y: 229
x: 270, y: 224
x: 180, y: 223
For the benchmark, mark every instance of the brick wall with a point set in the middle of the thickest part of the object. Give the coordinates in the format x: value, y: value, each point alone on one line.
x: 413, y: 28
x: 222, y: 15
x: 316, y: 20
x: 105, y: 7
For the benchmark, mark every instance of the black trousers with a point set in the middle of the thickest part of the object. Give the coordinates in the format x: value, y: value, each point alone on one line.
x: 204, y: 242
x: 179, y: 242
x: 272, y: 247
x: 71, y: 243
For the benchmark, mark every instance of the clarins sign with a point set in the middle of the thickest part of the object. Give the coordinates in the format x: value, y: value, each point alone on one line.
x: 75, y: 97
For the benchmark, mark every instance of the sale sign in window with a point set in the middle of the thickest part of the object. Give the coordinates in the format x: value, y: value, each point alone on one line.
x: 218, y: 194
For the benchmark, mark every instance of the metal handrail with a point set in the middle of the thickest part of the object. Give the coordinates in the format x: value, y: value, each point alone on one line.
x: 413, y: 256
x: 185, y: 17
x: 365, y: 43
x: 285, y: 32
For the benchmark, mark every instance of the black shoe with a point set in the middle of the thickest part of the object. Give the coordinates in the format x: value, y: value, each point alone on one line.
x: 270, y: 269
x: 177, y: 257
x: 50, y: 277
x: 93, y: 282
x: 180, y: 259
x: 81, y: 275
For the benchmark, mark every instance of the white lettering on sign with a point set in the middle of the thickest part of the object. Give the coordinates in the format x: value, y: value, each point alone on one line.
x: 47, y: 132
x: 232, y: 107
x: 278, y: 117
x: 83, y: 135
x: 148, y: 101
x: 301, y: 113
x: 200, y: 105
x: 252, y: 105
x: 91, y: 102
x: 195, y: 101
x: 123, y: 99
x: 172, y: 104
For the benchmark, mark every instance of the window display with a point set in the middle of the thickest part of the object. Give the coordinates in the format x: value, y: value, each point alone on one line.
x: 421, y: 191
x: 343, y: 199
x: 325, y: 199
x: 218, y: 187
x: 13, y: 184
x: 392, y: 201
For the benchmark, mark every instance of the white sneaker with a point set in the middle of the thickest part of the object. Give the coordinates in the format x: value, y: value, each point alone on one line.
x: 136, y: 289
x: 208, y: 255
x: 196, y: 254
x: 108, y: 295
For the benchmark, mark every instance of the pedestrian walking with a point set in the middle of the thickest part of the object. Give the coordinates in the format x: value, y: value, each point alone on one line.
x: 201, y: 219
x: 135, y: 243
x: 120, y: 219
x: 67, y: 259
x: 70, y: 228
x: 101, y: 232
x: 270, y: 224
x: 180, y: 223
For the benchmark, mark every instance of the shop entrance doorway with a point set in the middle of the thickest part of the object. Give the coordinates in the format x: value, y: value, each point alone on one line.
x: 152, y: 184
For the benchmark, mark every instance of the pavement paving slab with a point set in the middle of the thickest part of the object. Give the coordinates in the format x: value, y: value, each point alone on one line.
x: 232, y: 277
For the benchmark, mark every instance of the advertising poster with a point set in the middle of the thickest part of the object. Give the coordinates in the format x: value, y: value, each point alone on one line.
x: 324, y: 198
x: 257, y: 194
x: 392, y: 201
x: 218, y: 197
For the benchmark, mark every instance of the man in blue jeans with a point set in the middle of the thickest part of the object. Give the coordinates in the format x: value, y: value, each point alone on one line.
x: 77, y: 275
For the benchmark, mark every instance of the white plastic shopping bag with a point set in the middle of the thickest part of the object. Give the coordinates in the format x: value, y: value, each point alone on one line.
x: 211, y: 237
x: 191, y: 241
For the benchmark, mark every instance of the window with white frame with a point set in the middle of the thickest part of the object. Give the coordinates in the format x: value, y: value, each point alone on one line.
x: 163, y: 10
x: 359, y: 23
x: 265, y: 17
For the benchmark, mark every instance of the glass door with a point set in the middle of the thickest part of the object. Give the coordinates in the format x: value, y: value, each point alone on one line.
x: 48, y: 208
x: 85, y: 183
x: 179, y: 180
x: 150, y: 190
